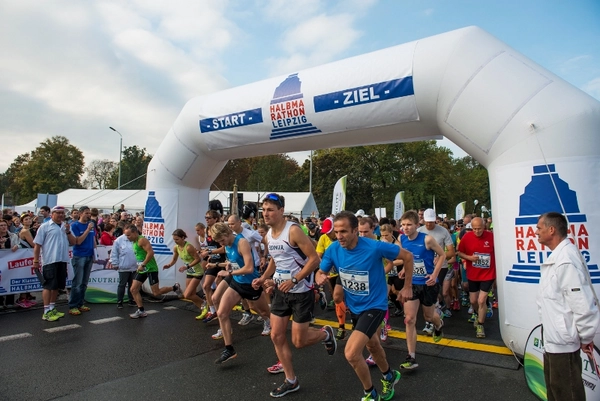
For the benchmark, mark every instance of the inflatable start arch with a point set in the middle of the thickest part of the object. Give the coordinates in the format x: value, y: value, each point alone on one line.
x: 537, y: 135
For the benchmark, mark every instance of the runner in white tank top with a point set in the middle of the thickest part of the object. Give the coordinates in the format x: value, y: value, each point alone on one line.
x: 292, y: 265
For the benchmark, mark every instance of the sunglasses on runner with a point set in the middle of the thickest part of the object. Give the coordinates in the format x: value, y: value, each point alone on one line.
x: 275, y: 198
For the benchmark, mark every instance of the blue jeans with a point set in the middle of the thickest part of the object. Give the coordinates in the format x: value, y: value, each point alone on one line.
x: 82, y: 266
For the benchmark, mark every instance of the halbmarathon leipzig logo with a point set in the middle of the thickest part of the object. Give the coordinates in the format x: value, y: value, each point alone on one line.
x: 540, y: 197
x: 287, y: 111
x: 154, y: 225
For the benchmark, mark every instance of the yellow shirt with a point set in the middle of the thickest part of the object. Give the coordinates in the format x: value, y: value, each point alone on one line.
x: 322, y: 245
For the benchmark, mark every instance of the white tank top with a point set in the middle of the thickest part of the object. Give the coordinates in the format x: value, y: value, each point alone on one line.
x: 289, y: 260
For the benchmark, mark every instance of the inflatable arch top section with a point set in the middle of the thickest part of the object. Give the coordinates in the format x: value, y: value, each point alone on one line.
x: 536, y: 134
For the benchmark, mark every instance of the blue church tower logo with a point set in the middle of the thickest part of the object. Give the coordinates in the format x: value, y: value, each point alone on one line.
x: 541, y: 196
x: 287, y: 111
x: 154, y: 225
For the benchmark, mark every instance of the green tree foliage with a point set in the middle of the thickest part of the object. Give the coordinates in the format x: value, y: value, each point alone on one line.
x: 376, y: 173
x: 52, y: 167
x: 262, y: 173
x: 134, y: 165
x: 99, y: 174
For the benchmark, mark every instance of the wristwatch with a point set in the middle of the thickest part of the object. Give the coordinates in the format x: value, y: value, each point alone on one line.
x: 294, y: 280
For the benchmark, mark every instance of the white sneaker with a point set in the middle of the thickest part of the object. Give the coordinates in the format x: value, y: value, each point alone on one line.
x: 138, y: 314
x: 266, y: 328
x: 470, y: 312
x: 218, y: 335
x: 246, y: 318
x: 428, y: 329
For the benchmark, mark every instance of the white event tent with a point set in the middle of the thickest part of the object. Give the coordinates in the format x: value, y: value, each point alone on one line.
x: 109, y: 200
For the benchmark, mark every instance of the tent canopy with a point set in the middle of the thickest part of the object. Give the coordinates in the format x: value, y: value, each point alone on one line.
x: 300, y: 204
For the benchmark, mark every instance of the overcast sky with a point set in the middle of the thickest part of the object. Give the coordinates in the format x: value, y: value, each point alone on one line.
x: 74, y: 68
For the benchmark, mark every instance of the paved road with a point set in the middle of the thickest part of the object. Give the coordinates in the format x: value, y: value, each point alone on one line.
x: 105, y: 355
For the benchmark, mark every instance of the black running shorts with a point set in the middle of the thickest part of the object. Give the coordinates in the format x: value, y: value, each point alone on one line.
x: 298, y: 305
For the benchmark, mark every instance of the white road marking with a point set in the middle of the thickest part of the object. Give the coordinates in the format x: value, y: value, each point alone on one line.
x: 106, y: 320
x: 15, y: 337
x: 62, y: 328
x: 170, y: 307
x: 152, y: 311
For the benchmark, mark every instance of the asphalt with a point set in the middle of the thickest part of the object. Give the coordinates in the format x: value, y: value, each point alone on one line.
x: 105, y: 355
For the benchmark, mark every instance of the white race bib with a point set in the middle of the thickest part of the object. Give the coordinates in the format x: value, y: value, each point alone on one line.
x: 281, y: 275
x: 419, y: 268
x: 483, y: 260
x: 355, y: 282
x: 235, y: 266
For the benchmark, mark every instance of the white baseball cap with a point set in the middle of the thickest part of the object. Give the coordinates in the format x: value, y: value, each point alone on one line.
x: 429, y: 215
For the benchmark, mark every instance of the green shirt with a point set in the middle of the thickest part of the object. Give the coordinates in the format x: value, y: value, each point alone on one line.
x: 140, y: 256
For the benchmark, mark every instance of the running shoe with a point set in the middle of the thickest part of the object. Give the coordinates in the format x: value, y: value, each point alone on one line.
x: 202, y: 314
x: 226, y: 355
x: 266, y: 328
x: 490, y: 312
x: 74, y: 311
x: 341, y: 334
x: 177, y: 289
x: 119, y: 305
x: 84, y: 308
x: 138, y: 314
x: 330, y: 344
x: 30, y: 302
x: 285, y: 388
x: 473, y: 318
x: 398, y: 312
x: 480, y: 333
x: 218, y: 335
x: 277, y: 368
x: 455, y: 305
x: 322, y: 300
x: 438, y: 334
x: 447, y: 313
x: 369, y: 397
x: 471, y: 310
x: 370, y: 361
x: 464, y: 302
x: 331, y: 304
x: 49, y: 316
x: 387, y: 391
x: 384, y: 332
x: 23, y: 303
x: 428, y: 329
x: 210, y: 317
x: 55, y: 312
x: 495, y: 304
x: 246, y: 318
x: 409, y: 363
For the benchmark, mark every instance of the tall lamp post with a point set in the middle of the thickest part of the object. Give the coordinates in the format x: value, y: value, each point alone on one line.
x: 120, y: 154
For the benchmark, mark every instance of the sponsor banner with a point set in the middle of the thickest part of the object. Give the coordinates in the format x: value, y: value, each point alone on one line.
x: 160, y: 220
x: 529, y: 190
x: 399, y: 205
x: 339, y: 196
x: 460, y: 210
x: 533, y: 368
x: 17, y: 275
x: 326, y: 99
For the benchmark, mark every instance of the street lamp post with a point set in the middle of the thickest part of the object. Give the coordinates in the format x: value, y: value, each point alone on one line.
x: 120, y: 155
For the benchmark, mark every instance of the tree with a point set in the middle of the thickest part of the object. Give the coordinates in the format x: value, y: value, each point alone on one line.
x: 52, y: 167
x: 261, y: 173
x: 99, y: 174
x: 134, y: 165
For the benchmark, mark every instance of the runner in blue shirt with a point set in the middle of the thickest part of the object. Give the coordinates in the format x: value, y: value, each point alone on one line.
x: 359, y: 262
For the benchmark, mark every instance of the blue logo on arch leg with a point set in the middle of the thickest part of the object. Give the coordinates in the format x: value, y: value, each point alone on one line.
x: 541, y: 197
x: 154, y: 225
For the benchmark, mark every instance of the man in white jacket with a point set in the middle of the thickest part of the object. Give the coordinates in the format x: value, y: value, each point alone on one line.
x: 568, y: 310
x: 123, y: 259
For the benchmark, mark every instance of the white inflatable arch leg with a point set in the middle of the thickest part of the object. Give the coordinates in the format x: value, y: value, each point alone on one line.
x: 534, y: 132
